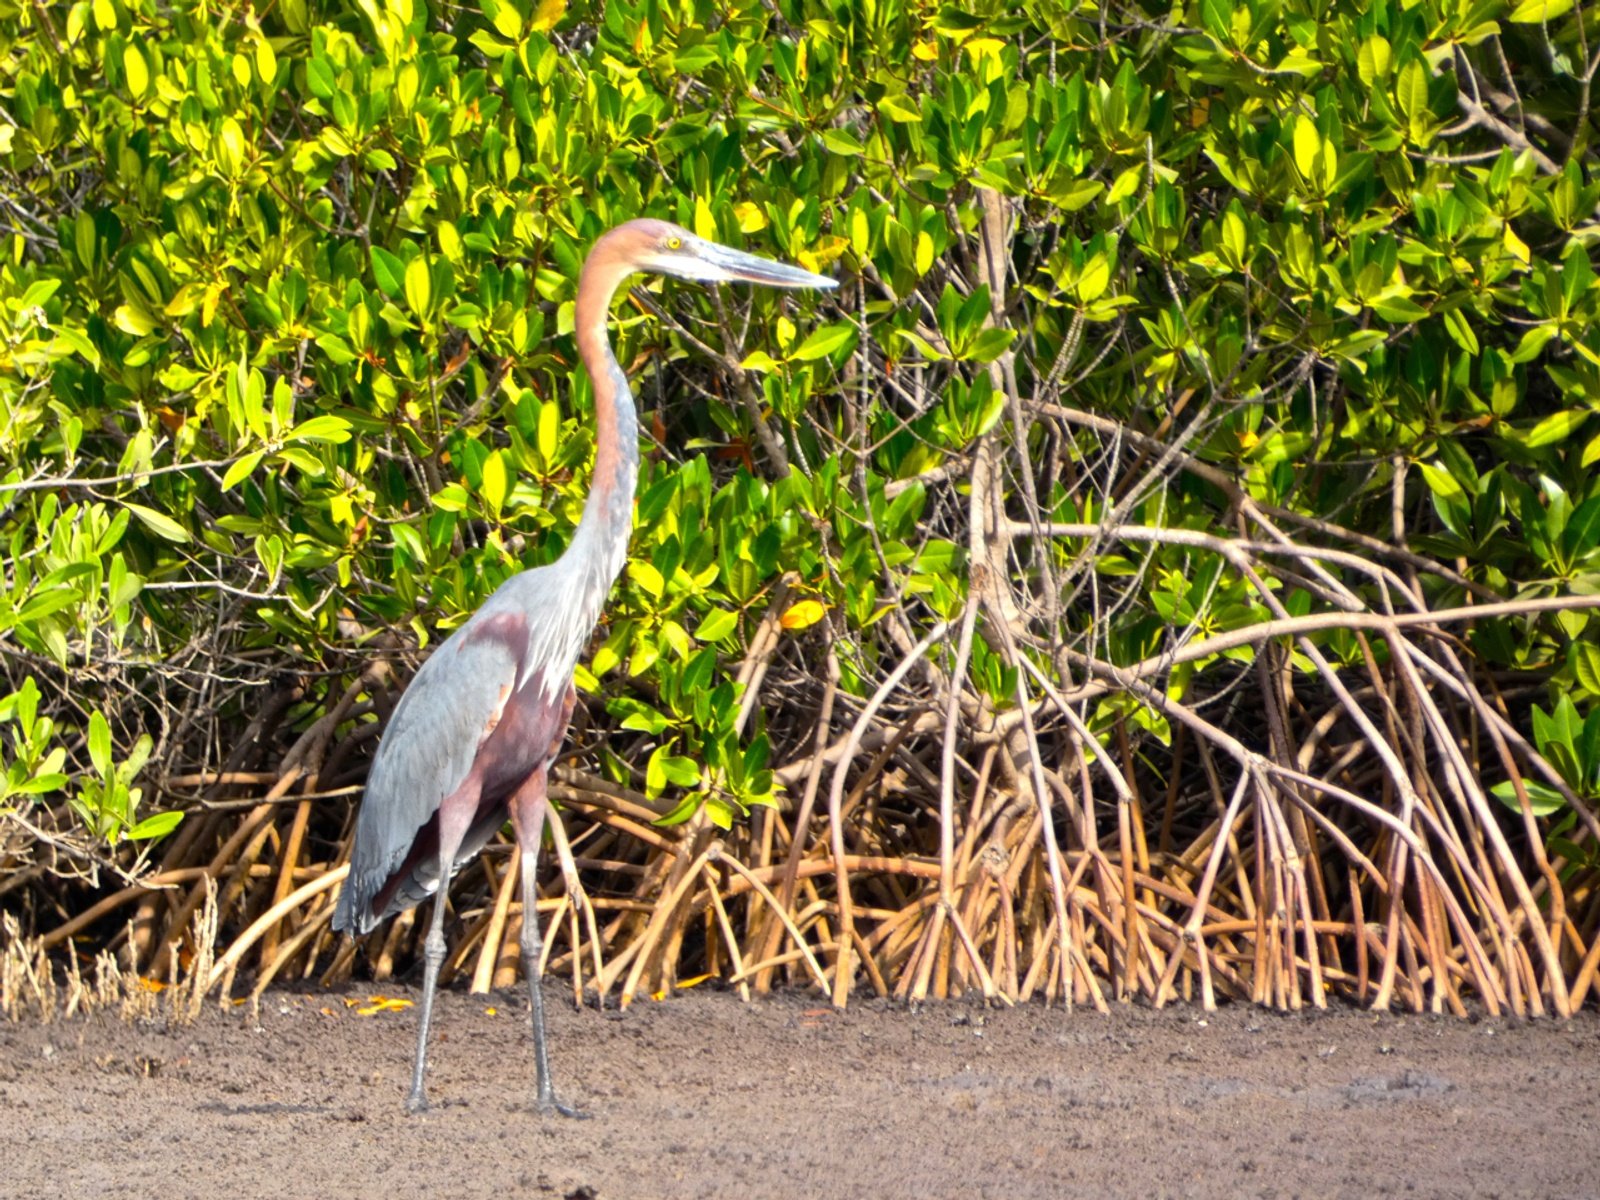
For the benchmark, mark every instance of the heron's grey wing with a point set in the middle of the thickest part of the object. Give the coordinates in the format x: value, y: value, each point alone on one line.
x: 426, y: 753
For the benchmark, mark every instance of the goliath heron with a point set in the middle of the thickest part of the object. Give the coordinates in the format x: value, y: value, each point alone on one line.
x: 473, y: 737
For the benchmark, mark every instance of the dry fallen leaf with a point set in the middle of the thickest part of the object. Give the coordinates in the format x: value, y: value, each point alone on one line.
x: 380, y: 1004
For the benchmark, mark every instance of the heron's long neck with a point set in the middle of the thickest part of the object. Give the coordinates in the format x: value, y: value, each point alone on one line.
x: 601, y: 540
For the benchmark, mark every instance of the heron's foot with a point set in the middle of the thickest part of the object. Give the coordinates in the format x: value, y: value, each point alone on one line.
x: 548, y: 1103
x: 416, y: 1103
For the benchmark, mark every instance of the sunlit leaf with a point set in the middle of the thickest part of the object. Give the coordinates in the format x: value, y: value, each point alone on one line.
x: 158, y: 523
x: 802, y: 614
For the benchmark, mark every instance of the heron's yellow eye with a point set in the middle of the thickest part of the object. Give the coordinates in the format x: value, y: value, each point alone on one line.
x: 674, y: 243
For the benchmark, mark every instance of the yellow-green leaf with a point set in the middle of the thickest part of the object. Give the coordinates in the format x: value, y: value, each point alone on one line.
x: 230, y: 147
x: 1095, y: 279
x: 1557, y: 427
x: 1460, y: 330
x: 647, y: 577
x: 419, y: 285
x: 1441, y: 483
x: 1591, y: 452
x: 1516, y: 247
x: 705, y: 223
x: 824, y: 341
x: 266, y: 61
x: 496, y: 482
x: 132, y: 319
x: 1373, y: 59
x: 241, y: 470
x: 1307, y: 141
x: 136, y: 70
x: 508, y: 21
x: 547, y: 14
x: 449, y: 241
x: 1126, y: 184
x: 1411, y: 90
x: 158, y: 523
x: 1534, y: 12
x: 716, y: 625
x: 549, y: 429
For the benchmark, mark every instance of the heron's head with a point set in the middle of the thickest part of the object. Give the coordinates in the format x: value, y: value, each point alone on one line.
x: 668, y: 249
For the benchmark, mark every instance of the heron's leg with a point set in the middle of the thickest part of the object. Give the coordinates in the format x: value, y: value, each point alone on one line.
x: 455, y: 815
x: 527, y: 816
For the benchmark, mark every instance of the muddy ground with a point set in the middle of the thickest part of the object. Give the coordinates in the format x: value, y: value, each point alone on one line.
x: 704, y: 1096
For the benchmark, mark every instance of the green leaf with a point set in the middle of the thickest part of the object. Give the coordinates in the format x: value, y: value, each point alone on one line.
x: 1582, y: 534
x: 496, y: 482
x: 419, y: 285
x: 840, y: 142
x: 1533, y: 342
x: 1534, y: 12
x: 682, y: 811
x: 1373, y: 59
x: 825, y: 341
x: 1544, y: 801
x: 1095, y: 279
x: 1126, y: 184
x: 269, y: 552
x: 100, y: 744
x: 1591, y: 452
x: 1577, y: 276
x: 326, y: 429
x: 923, y: 345
x: 1398, y: 308
x: 897, y: 109
x: 1555, y: 428
x: 1070, y: 195
x: 1586, y: 666
x: 389, y: 271
x: 717, y: 625
x: 1411, y: 89
x: 124, y: 586
x: 320, y: 78
x: 1460, y: 330
x: 45, y: 602
x: 230, y: 147
x: 134, y: 319
x: 39, y: 292
x: 241, y: 470
x: 989, y: 345
x: 644, y: 574
x: 80, y: 345
x: 158, y: 523
x: 155, y: 826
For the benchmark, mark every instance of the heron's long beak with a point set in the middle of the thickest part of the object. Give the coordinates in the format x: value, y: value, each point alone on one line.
x: 752, y: 268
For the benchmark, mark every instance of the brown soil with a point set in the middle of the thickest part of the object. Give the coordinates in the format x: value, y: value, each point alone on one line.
x: 707, y: 1097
